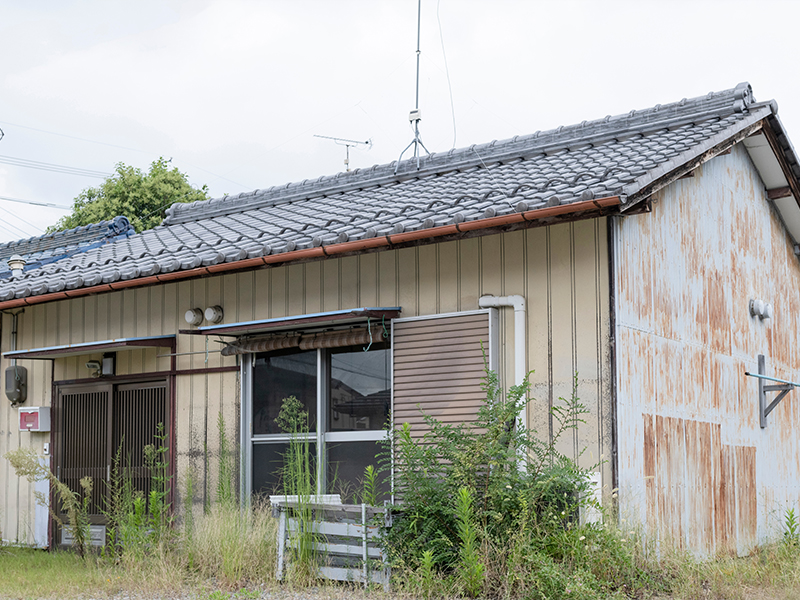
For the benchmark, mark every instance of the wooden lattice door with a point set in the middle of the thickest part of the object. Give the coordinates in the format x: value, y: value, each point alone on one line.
x: 95, y: 421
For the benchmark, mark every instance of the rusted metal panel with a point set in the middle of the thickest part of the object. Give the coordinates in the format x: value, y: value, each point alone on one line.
x: 687, y: 414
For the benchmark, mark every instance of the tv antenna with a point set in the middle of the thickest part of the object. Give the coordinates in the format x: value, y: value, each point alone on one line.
x: 415, y: 116
x: 347, y: 144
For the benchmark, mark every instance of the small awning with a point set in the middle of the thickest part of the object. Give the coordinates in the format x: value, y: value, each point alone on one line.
x: 326, y: 339
x: 162, y: 341
x: 336, y: 317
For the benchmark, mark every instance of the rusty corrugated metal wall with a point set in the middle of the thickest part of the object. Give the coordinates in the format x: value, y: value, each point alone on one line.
x: 694, y: 465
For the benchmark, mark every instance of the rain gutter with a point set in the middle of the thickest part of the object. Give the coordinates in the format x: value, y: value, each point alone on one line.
x: 388, y: 240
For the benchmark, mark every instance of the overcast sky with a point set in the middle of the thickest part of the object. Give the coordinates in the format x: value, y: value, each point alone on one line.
x: 234, y: 91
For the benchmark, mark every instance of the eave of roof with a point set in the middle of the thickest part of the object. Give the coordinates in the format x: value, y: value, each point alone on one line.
x: 522, y: 182
x: 600, y: 205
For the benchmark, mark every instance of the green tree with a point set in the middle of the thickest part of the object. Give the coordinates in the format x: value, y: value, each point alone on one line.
x: 142, y: 197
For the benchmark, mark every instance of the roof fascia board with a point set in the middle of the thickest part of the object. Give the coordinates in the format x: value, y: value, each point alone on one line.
x: 674, y: 169
x: 780, y: 155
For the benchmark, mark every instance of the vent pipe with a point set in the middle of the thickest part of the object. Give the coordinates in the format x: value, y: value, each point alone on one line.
x: 520, y: 359
x: 16, y: 263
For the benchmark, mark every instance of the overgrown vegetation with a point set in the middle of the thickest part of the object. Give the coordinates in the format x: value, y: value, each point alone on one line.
x: 73, y: 504
x: 300, y: 480
x: 493, y: 510
x: 475, y: 522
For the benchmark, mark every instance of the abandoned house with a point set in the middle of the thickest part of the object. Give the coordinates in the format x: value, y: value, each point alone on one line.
x: 652, y: 253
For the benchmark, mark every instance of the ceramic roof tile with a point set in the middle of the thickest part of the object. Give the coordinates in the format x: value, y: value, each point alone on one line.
x: 593, y: 159
x: 51, y: 247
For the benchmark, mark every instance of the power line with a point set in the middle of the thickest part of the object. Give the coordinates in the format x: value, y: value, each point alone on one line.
x: 43, y: 166
x: 74, y: 137
x: 3, y: 226
x: 19, y: 229
x: 28, y: 223
x: 31, y: 202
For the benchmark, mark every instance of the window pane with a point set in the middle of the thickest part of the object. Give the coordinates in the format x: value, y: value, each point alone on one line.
x: 277, y: 376
x: 346, y: 464
x: 360, y: 389
x: 268, y: 467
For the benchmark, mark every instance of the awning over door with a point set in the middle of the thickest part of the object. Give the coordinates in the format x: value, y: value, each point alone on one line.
x: 51, y: 352
x: 298, y: 322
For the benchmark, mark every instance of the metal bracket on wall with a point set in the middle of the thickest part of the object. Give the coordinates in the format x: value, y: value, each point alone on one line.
x: 784, y: 388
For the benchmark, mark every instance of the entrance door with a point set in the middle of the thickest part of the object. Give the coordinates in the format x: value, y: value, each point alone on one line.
x: 93, y: 422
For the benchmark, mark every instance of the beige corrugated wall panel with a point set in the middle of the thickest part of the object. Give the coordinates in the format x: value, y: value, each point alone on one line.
x: 694, y: 465
x: 438, y: 369
x: 552, y: 267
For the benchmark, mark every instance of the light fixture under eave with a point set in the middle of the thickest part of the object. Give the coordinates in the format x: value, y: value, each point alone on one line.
x: 193, y: 316
x: 214, y: 314
x: 95, y: 366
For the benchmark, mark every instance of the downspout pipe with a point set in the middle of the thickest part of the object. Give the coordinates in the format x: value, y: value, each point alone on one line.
x: 516, y: 302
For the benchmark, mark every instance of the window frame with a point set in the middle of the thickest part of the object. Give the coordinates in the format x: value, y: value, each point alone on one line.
x: 321, y: 437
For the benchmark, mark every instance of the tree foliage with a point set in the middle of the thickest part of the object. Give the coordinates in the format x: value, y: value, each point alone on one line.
x: 139, y: 196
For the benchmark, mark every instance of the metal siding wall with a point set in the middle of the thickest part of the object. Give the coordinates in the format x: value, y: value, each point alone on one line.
x: 559, y: 270
x: 694, y: 464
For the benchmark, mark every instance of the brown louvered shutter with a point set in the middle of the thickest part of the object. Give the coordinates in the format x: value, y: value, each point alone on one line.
x: 138, y: 410
x: 83, y: 436
x: 439, y: 368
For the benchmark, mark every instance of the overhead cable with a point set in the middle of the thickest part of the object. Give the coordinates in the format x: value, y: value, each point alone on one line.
x: 43, y: 166
x: 48, y: 204
x: 28, y: 223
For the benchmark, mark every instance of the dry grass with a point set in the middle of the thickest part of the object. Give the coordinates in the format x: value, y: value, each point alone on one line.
x: 770, y: 573
x: 232, y: 546
x: 229, y: 555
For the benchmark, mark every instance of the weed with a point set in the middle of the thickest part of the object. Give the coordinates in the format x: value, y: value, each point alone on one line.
x: 299, y: 479
x: 791, y: 532
x: 225, y: 481
x: 369, y: 486
x: 470, y: 568
x: 25, y: 463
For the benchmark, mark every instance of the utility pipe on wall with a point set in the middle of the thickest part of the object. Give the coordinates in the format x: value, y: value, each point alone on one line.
x: 520, y: 358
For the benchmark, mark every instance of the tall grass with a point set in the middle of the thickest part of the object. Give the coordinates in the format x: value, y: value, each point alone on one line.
x: 237, y: 547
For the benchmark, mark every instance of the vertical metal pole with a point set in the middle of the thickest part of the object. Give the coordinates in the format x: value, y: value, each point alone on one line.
x: 322, y: 403
x: 762, y: 395
x: 419, y: 20
x: 416, y: 98
x: 364, y: 542
x: 281, y: 542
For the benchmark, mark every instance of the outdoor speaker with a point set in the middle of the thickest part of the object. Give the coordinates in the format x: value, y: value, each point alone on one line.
x: 16, y: 384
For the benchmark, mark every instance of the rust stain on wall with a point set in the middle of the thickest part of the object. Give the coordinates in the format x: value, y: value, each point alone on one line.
x: 701, y: 493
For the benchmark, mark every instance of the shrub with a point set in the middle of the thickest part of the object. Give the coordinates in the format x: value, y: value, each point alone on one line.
x: 491, y: 508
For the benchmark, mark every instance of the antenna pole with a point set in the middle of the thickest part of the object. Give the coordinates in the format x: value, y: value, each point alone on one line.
x: 416, y: 115
x: 346, y: 143
x: 419, y: 29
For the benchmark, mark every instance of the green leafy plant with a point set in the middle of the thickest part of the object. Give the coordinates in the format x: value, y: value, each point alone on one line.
x: 227, y: 466
x: 25, y: 463
x: 470, y: 569
x: 791, y: 528
x: 485, y: 458
x: 493, y: 506
x: 369, y: 486
x: 300, y: 480
x: 156, y: 458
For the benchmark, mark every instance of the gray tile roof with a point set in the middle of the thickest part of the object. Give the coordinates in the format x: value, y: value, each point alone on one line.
x: 625, y: 155
x: 51, y: 247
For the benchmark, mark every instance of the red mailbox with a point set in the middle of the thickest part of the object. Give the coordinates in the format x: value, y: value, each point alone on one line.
x: 34, y: 418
